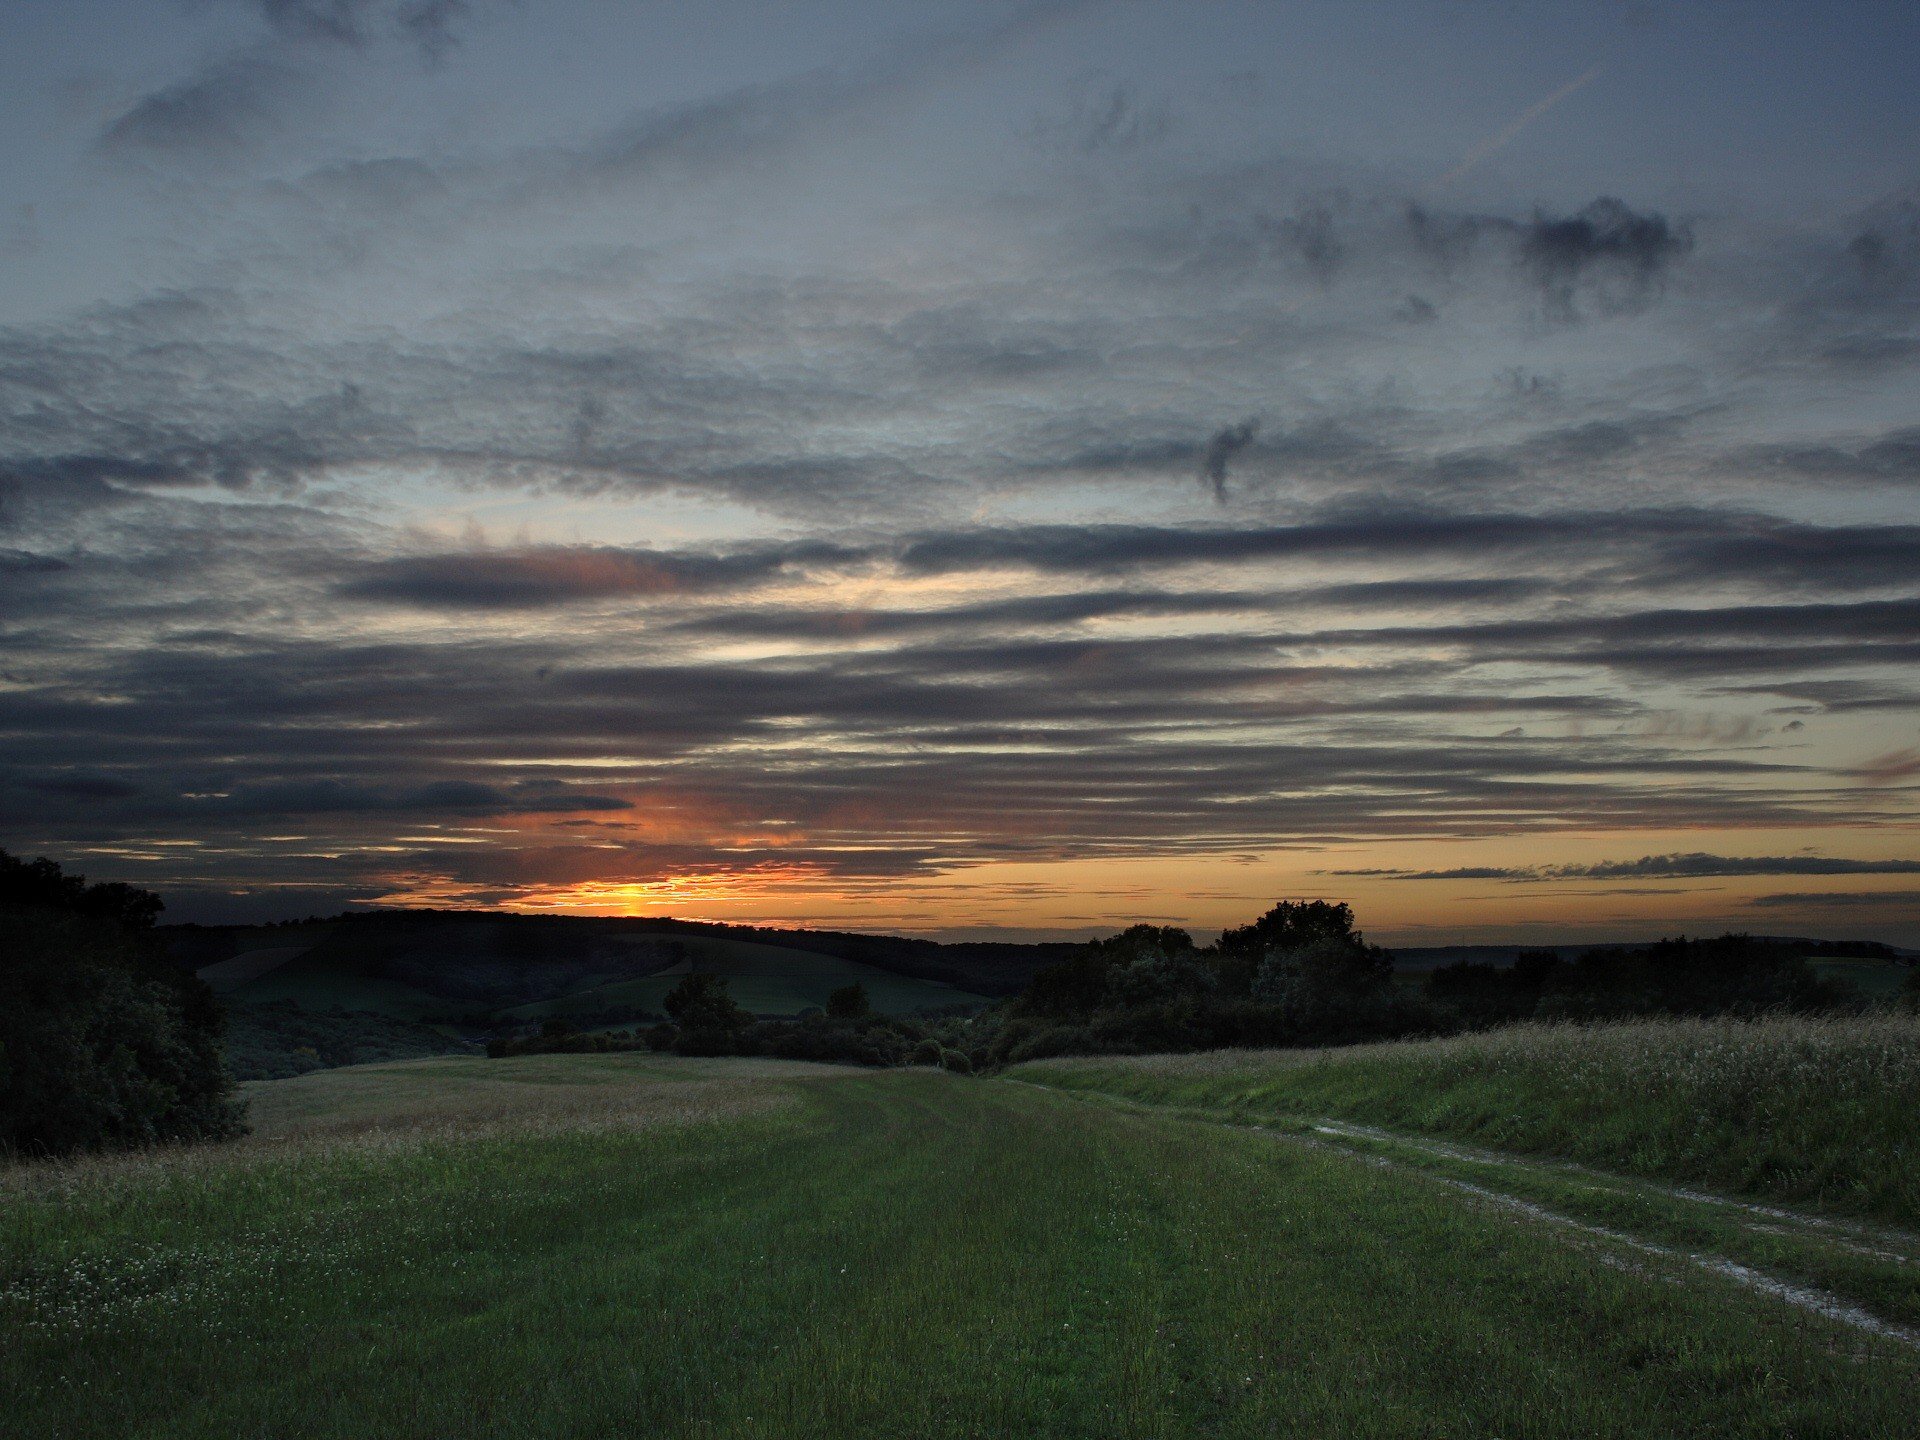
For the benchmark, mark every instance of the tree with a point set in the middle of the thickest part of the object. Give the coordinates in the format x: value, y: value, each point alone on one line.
x: 101, y: 1041
x: 709, y: 1021
x: 1327, y: 984
x: 1288, y: 926
x: 849, y: 1002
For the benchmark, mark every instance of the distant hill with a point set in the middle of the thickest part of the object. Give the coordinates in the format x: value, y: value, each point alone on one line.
x: 387, y: 983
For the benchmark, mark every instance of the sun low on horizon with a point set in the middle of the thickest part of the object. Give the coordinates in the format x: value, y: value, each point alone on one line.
x: 990, y: 470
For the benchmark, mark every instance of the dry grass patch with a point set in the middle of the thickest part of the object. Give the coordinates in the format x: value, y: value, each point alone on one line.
x: 405, y: 1104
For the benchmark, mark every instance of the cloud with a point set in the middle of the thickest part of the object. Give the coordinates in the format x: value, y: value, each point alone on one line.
x: 1103, y: 115
x: 237, y: 101
x: 1892, y: 767
x: 330, y: 796
x: 1608, y: 250
x: 757, y: 121
x: 432, y: 26
x: 221, y: 113
x: 85, y: 787
x: 1892, y: 458
x: 1693, y: 866
x: 559, y: 575
x: 1901, y: 900
x: 1221, y: 448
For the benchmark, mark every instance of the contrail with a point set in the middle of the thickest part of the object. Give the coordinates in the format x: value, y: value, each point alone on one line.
x: 1506, y: 137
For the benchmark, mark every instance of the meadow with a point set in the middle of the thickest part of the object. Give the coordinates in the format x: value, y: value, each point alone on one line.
x: 585, y: 1245
x: 1815, y: 1110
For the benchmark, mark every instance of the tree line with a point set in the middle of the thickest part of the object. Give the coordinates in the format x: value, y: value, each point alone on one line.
x: 1301, y: 974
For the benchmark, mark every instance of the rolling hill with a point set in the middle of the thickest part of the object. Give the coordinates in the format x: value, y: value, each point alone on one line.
x: 392, y: 985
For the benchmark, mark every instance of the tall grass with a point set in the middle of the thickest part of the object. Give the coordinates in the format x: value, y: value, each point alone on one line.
x: 1825, y: 1111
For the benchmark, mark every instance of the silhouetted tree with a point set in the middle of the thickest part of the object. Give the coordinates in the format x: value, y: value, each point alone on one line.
x: 849, y: 1002
x: 1287, y: 926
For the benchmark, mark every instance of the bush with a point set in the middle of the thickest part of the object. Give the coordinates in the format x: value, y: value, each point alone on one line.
x: 277, y: 1039
x: 101, y: 1042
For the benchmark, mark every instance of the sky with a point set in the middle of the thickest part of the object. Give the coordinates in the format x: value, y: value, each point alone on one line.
x: 995, y: 470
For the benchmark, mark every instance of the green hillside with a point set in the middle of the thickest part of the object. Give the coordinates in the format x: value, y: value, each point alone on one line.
x: 765, y: 979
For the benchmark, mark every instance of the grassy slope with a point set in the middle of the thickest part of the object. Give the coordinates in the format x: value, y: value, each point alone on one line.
x: 587, y: 1245
x: 1820, y: 1111
x: 766, y: 979
x: 317, y: 981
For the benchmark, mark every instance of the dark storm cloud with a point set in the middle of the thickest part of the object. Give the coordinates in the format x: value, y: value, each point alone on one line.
x: 1694, y: 866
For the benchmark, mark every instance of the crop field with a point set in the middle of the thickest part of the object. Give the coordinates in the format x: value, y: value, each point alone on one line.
x: 626, y: 1244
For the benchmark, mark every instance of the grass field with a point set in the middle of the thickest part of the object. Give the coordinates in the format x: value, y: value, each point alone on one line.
x: 1818, y: 1111
x: 594, y: 1245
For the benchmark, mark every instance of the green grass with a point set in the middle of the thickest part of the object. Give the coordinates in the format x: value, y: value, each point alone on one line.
x: 1808, y: 1111
x: 596, y: 1245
